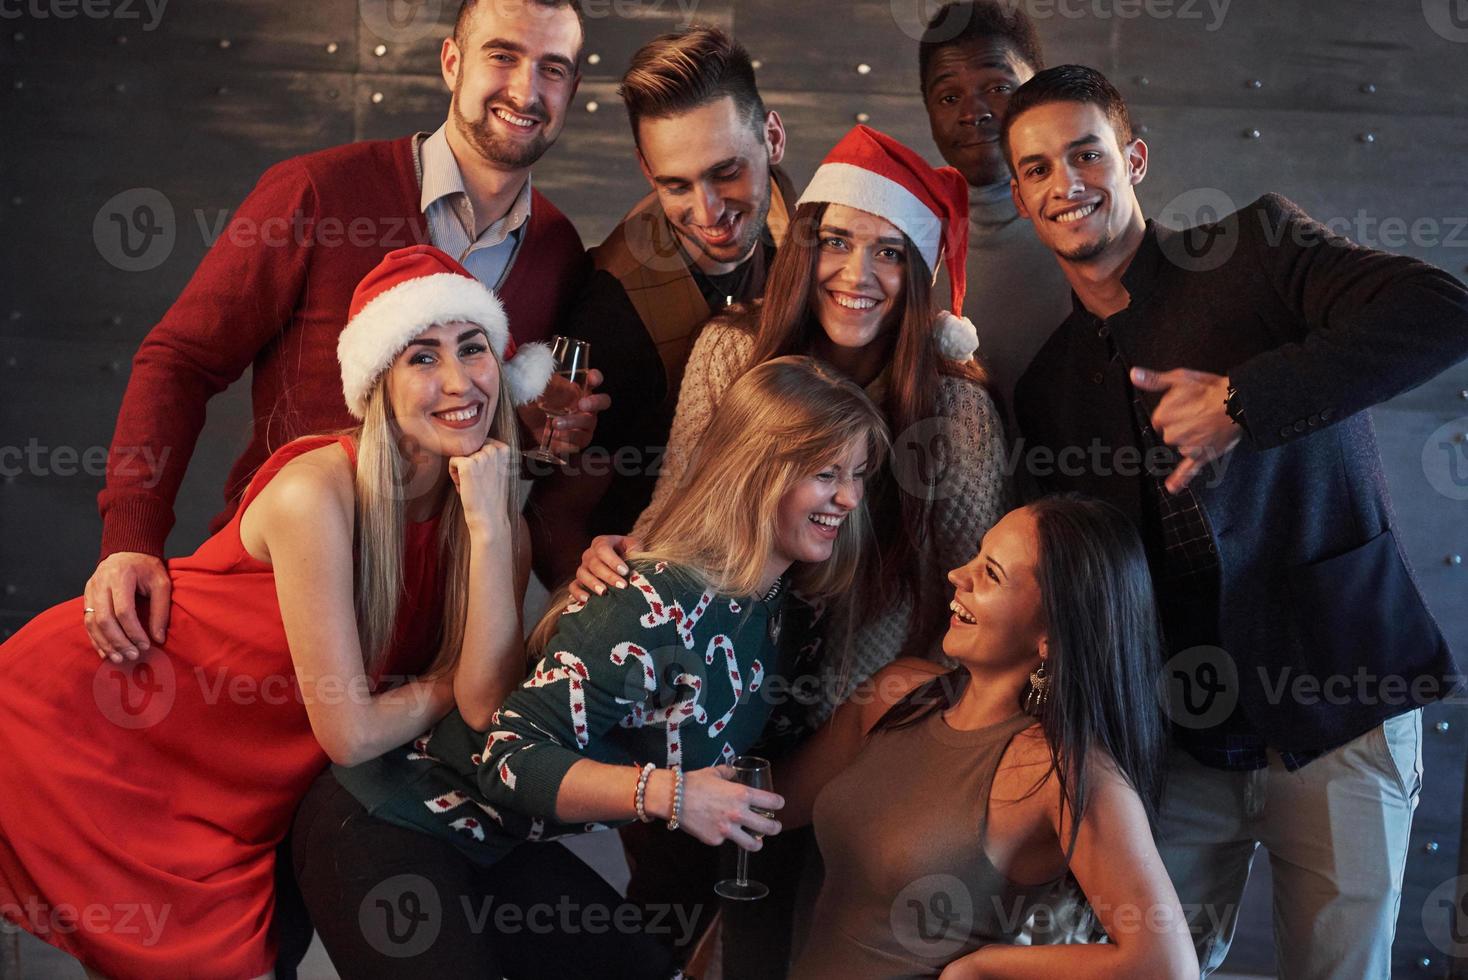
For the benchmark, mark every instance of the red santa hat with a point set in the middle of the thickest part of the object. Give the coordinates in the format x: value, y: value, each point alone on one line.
x: 875, y: 173
x: 411, y: 290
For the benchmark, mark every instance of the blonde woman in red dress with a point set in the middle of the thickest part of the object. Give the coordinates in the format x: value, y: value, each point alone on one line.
x: 368, y: 581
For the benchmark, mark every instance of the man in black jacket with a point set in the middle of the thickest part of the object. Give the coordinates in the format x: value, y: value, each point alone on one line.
x: 1212, y: 384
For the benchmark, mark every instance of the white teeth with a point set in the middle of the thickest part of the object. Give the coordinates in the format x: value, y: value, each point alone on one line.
x: 514, y: 120
x: 462, y: 415
x: 1076, y: 215
x: 851, y: 303
x: 961, y: 612
x: 828, y: 520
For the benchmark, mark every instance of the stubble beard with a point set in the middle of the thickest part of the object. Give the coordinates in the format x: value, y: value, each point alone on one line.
x: 498, y: 150
x: 754, y: 227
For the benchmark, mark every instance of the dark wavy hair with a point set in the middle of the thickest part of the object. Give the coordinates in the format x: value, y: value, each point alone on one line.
x: 1105, y: 654
x: 1068, y: 83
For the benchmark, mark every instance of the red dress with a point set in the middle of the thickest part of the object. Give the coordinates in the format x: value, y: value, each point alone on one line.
x: 140, y: 805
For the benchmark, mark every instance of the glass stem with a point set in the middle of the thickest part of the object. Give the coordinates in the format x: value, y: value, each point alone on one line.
x: 741, y: 873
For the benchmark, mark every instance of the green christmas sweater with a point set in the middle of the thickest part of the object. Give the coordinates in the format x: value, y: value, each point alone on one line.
x: 664, y: 671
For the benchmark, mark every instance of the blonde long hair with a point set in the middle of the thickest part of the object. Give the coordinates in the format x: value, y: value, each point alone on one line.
x: 777, y: 424
x: 384, y: 482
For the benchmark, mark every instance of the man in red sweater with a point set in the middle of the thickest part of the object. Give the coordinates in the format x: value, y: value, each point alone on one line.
x: 273, y: 292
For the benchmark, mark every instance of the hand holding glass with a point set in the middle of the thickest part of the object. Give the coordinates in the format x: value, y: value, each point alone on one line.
x: 749, y: 770
x: 566, y: 387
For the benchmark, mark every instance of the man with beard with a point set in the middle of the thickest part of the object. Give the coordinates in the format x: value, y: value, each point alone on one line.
x: 701, y: 241
x: 971, y: 58
x: 272, y: 294
x: 273, y: 291
x: 1221, y: 376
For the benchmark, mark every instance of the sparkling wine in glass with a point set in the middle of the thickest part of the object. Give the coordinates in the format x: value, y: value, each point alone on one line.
x: 566, y: 387
x: 753, y: 771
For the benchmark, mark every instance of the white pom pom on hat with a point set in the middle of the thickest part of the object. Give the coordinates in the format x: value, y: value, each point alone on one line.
x: 410, y: 290
x: 957, y: 337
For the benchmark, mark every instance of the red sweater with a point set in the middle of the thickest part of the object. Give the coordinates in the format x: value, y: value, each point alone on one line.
x: 273, y: 292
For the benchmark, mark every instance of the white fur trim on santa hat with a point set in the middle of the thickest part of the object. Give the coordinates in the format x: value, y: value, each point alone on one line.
x: 957, y: 337
x: 528, y: 371
x: 383, y: 328
x: 858, y: 187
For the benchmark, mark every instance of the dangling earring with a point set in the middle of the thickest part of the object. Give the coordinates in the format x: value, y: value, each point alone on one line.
x: 1039, y: 694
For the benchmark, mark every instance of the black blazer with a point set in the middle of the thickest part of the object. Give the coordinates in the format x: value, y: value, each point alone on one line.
x: 1312, y: 330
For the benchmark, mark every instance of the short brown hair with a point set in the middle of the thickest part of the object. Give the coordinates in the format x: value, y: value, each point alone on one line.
x: 467, y: 8
x: 675, y: 73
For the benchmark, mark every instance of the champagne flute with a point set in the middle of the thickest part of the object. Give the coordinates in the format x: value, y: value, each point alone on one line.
x: 750, y: 770
x: 566, y: 387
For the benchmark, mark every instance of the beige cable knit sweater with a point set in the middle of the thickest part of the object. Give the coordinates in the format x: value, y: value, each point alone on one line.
x: 970, y: 497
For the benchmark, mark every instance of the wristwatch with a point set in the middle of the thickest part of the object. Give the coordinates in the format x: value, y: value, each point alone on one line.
x: 1234, y: 406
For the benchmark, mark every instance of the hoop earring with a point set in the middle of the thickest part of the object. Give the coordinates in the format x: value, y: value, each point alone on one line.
x: 1039, y: 693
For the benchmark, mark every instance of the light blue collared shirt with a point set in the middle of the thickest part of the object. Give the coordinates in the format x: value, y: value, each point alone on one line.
x: 450, y: 214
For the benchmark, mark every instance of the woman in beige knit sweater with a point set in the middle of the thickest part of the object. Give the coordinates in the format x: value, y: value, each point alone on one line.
x: 853, y: 286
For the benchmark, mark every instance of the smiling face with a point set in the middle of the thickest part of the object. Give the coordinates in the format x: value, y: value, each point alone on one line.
x: 710, y: 167
x: 513, y: 73
x: 811, y: 512
x: 967, y: 94
x: 444, y: 390
x: 997, y: 616
x: 859, y: 279
x: 1075, y: 181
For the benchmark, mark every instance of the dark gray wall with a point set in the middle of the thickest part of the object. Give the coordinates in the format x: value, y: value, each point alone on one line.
x: 1359, y: 109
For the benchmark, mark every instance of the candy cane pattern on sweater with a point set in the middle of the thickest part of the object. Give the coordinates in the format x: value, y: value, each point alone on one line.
x: 659, y: 613
x: 491, y: 740
x: 623, y: 652
x: 420, y: 748
x: 470, y: 826
x: 722, y: 644
x: 573, y: 672
x: 446, y: 802
x: 672, y: 716
x: 686, y: 624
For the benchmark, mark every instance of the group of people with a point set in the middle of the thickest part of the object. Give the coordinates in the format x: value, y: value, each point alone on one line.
x: 958, y: 670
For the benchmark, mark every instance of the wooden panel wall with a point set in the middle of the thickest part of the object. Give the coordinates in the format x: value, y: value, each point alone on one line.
x: 1354, y: 108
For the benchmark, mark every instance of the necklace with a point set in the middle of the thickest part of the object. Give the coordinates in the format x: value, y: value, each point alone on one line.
x: 773, y: 630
